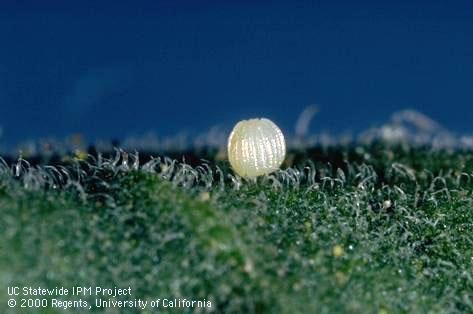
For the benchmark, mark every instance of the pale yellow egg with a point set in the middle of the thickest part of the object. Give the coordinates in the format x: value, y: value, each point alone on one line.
x: 256, y: 147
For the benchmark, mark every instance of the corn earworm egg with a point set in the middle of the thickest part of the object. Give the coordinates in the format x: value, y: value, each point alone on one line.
x: 256, y: 147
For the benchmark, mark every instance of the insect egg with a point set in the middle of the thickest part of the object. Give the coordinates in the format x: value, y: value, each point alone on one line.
x: 256, y: 147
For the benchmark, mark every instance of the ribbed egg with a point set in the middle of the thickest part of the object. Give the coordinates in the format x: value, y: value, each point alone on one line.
x: 256, y: 147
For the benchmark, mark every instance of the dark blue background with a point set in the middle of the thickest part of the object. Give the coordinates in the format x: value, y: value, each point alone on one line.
x: 119, y: 68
